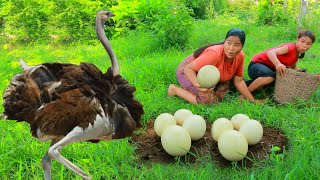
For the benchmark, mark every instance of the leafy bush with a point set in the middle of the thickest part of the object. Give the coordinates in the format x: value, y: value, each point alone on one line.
x: 198, y: 7
x: 203, y: 9
x: 271, y: 13
x: 244, y: 10
x: 169, y: 21
x: 26, y: 21
x: 219, y: 6
x: 74, y: 20
x: 46, y: 20
x: 125, y: 15
x: 174, y: 30
x: 60, y: 21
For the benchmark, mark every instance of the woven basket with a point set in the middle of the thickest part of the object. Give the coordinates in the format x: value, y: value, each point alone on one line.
x: 294, y: 85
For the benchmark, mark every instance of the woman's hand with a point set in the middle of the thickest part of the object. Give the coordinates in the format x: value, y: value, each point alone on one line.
x: 272, y: 55
x: 259, y: 101
x: 207, y: 90
x: 280, y: 68
x: 201, y: 89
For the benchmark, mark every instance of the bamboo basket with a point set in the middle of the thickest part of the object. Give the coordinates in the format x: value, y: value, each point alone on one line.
x: 294, y: 85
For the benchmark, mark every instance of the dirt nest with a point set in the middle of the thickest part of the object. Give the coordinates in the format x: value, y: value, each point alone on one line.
x: 149, y: 148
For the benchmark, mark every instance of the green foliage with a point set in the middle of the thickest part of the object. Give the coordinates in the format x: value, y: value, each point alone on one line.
x: 311, y: 21
x: 45, y: 20
x: 168, y: 21
x: 77, y: 19
x: 1, y: 16
x: 72, y: 21
x: 219, y: 5
x: 244, y: 10
x: 26, y: 20
x: 126, y: 12
x: 198, y: 7
x: 203, y: 9
x: 272, y: 13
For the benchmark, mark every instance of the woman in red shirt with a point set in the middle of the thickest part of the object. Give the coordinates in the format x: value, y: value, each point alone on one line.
x: 227, y: 57
x: 263, y: 66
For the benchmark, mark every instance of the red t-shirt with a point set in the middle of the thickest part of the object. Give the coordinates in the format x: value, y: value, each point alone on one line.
x: 288, y: 59
x: 214, y: 55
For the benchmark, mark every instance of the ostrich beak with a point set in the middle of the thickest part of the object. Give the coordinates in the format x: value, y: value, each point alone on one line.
x: 110, y: 14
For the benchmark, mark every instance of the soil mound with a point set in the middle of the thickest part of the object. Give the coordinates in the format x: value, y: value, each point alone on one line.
x: 149, y: 148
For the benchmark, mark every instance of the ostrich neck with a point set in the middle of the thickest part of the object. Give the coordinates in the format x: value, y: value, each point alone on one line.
x: 106, y: 44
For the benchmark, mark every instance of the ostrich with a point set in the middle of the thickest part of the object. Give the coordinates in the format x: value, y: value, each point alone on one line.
x: 66, y: 103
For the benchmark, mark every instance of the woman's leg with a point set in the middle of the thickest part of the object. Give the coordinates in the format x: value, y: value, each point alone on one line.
x: 190, y: 93
x: 261, y: 76
x: 187, y: 92
x: 260, y: 82
x: 184, y: 94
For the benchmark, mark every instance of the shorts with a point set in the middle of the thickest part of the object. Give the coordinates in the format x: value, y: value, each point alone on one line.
x: 256, y: 70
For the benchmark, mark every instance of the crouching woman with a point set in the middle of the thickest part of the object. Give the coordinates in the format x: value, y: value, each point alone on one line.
x: 227, y: 56
x: 264, y: 66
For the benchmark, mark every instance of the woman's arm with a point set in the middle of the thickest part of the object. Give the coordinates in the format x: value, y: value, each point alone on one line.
x: 242, y: 88
x: 191, y: 74
x: 272, y: 55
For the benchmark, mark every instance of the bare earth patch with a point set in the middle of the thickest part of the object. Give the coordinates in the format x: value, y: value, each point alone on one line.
x: 149, y: 148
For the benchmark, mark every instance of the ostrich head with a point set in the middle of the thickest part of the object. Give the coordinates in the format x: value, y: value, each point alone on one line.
x: 101, y: 18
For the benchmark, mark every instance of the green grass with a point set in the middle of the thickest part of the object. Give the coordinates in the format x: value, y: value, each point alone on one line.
x: 151, y: 70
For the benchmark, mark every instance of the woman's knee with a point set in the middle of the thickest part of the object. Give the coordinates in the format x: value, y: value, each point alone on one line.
x: 260, y: 70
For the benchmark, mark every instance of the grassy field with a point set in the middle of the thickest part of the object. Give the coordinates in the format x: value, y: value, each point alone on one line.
x: 151, y: 70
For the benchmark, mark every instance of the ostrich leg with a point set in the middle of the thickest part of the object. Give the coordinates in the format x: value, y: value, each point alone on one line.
x: 76, y: 135
x: 46, y: 165
x: 46, y: 162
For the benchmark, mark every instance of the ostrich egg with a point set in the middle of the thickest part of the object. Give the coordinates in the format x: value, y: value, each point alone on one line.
x: 162, y: 121
x: 181, y: 115
x: 176, y: 140
x: 208, y: 76
x: 219, y: 126
x: 232, y: 145
x: 252, y: 130
x: 195, y: 126
x: 238, y: 119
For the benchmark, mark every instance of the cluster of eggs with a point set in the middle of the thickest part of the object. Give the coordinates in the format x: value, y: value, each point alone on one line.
x: 178, y: 130
x: 234, y: 136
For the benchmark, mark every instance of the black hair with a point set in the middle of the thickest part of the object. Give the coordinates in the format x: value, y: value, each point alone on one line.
x: 232, y: 32
x: 306, y: 33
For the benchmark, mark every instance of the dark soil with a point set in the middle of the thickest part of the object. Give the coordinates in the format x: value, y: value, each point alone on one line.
x: 149, y: 148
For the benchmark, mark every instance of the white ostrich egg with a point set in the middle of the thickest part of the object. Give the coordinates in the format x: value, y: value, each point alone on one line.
x: 232, y: 145
x: 176, y: 140
x: 162, y: 121
x: 181, y: 115
x: 238, y: 119
x: 252, y: 130
x: 208, y: 76
x: 195, y: 126
x: 219, y: 126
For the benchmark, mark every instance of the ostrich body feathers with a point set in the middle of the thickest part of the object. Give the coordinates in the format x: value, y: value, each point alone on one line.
x: 55, y: 98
